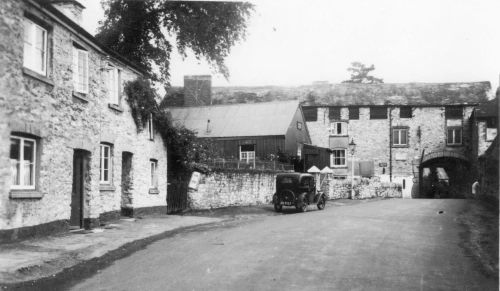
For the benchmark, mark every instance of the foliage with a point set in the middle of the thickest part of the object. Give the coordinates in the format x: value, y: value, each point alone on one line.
x: 186, y: 151
x: 135, y: 29
x: 141, y: 98
x: 359, y: 74
x: 172, y: 98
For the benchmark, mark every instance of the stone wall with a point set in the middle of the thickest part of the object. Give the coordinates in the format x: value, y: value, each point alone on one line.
x: 427, y: 130
x: 363, y: 189
x: 234, y: 188
x: 45, y: 108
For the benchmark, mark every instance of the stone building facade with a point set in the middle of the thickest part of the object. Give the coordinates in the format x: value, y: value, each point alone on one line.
x: 70, y: 152
x: 394, y: 142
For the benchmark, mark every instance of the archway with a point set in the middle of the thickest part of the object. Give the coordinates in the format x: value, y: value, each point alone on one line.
x: 444, y: 174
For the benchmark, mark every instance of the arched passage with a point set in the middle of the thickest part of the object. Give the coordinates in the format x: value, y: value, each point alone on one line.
x: 444, y: 174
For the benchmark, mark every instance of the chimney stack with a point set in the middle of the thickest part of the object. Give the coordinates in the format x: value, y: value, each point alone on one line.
x: 197, y: 90
x: 71, y: 8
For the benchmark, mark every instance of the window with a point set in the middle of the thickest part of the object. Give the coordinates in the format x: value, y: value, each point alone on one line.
x: 378, y: 113
x: 454, y: 136
x: 151, y: 129
x: 405, y: 112
x: 400, y: 136
x: 80, y: 70
x: 354, y: 113
x: 453, y: 112
x: 154, y: 173
x: 299, y: 125
x: 22, y: 162
x: 247, y: 152
x: 338, y: 128
x: 334, y: 113
x: 35, y: 47
x: 310, y: 114
x: 113, y: 84
x: 337, y: 158
x: 105, y: 164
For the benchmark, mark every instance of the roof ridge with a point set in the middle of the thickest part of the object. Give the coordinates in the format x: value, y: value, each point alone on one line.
x: 233, y: 104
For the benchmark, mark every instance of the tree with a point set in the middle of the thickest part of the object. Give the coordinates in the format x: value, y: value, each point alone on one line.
x: 137, y: 30
x: 359, y: 74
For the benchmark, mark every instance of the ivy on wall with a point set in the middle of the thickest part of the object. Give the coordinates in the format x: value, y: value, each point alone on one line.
x: 186, y: 152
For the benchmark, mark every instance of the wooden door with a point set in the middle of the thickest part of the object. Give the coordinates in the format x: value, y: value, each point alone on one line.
x: 76, y: 219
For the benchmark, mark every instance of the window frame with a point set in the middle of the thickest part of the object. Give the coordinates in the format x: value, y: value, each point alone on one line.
x: 248, y: 154
x: 332, y: 158
x: 399, y: 130
x: 153, y: 166
x: 21, y: 158
x: 332, y: 130
x: 351, y: 111
x: 454, y: 129
x: 102, y: 158
x: 45, y: 47
x: 374, y: 114
x: 76, y: 51
x: 401, y: 115
x: 116, y: 83
x: 309, y: 110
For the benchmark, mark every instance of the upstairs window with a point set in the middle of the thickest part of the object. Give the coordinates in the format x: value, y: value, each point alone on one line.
x: 338, y: 128
x: 113, y: 84
x: 151, y: 130
x: 337, y: 158
x: 453, y: 112
x: 405, y: 112
x: 454, y: 136
x: 334, y: 113
x: 247, y: 152
x: 154, y: 174
x: 80, y: 70
x: 354, y: 113
x: 105, y: 164
x: 22, y: 162
x: 400, y: 137
x: 310, y: 114
x: 35, y: 47
x: 378, y: 113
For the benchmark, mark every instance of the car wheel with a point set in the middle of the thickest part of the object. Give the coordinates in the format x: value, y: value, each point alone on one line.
x: 302, y: 206
x: 321, y: 203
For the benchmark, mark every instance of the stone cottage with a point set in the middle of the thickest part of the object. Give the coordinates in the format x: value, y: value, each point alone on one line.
x: 71, y: 155
x: 414, y: 134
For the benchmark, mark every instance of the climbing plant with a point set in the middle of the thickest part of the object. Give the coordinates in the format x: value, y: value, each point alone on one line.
x: 186, y: 151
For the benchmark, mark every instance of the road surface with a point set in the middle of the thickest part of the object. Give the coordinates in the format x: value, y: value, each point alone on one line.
x: 376, y: 245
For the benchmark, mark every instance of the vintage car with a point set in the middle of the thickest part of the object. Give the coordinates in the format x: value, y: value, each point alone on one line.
x: 299, y: 190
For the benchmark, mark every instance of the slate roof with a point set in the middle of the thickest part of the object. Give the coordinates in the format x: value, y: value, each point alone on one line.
x: 346, y: 94
x: 237, y: 120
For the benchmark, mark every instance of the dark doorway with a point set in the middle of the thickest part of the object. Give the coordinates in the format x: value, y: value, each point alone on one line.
x: 445, y: 177
x: 177, y: 190
x: 80, y: 174
x: 126, y: 198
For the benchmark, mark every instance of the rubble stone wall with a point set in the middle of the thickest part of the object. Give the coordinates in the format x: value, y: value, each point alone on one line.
x: 45, y: 108
x: 427, y: 130
x: 235, y: 188
x: 363, y: 189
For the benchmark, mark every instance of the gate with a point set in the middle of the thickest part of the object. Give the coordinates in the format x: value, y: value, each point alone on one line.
x: 177, y: 195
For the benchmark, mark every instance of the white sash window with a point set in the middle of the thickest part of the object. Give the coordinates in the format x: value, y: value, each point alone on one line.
x: 35, y: 47
x: 80, y: 70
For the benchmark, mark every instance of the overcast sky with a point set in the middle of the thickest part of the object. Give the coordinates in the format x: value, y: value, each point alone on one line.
x: 298, y: 42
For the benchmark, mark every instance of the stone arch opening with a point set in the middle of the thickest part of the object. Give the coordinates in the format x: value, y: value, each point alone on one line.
x: 444, y: 176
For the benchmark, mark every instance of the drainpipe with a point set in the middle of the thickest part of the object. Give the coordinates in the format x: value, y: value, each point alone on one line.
x: 390, y: 143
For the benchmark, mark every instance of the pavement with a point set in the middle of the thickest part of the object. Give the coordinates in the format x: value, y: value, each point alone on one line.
x: 27, y: 262
x: 379, y: 244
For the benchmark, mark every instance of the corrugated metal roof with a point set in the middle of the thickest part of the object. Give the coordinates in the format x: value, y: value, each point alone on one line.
x: 237, y: 120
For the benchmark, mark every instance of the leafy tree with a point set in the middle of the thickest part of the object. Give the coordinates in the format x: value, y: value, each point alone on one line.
x: 137, y: 30
x: 359, y: 74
